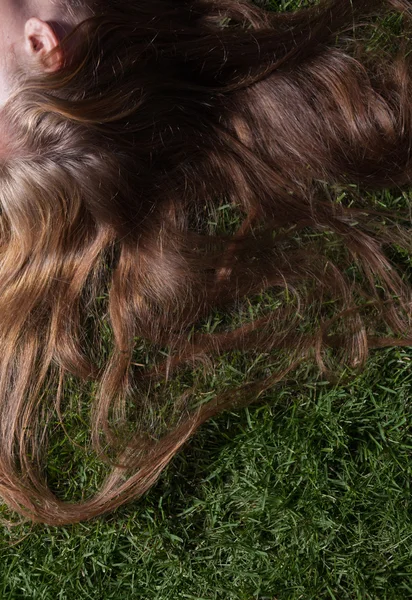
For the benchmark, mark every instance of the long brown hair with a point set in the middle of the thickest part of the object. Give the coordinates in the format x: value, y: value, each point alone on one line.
x: 171, y: 110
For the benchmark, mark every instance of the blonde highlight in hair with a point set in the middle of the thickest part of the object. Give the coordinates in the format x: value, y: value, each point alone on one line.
x: 168, y: 108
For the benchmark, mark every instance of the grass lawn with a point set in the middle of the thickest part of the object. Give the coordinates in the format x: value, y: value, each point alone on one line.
x: 303, y: 496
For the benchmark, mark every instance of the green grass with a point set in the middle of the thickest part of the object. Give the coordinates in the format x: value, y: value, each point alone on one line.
x: 304, y: 496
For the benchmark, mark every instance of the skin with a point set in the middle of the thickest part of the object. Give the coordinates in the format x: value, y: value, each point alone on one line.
x: 29, y: 29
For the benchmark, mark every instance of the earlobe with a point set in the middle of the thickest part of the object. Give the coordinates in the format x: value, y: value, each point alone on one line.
x: 39, y: 40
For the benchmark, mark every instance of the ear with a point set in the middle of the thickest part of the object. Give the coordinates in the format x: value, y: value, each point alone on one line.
x: 39, y: 39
